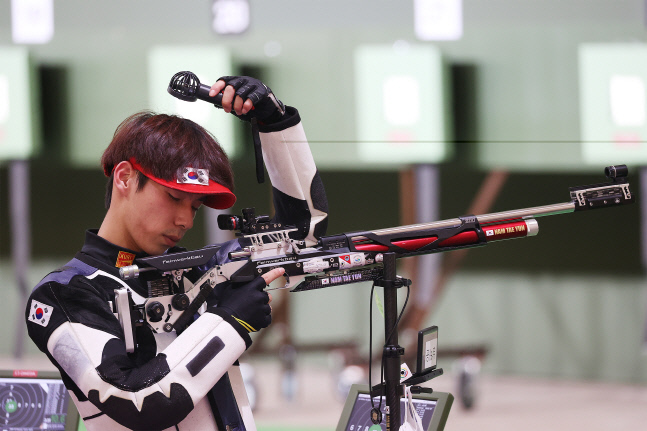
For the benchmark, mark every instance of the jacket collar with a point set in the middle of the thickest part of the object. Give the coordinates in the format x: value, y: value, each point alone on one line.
x: 108, y: 254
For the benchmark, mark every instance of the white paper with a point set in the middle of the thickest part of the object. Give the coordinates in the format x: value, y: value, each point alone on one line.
x: 401, y: 101
x: 32, y: 21
x: 627, y: 99
x: 438, y: 19
x: 230, y: 16
x: 4, y: 99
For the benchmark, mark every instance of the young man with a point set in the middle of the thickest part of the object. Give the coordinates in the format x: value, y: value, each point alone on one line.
x: 162, y: 169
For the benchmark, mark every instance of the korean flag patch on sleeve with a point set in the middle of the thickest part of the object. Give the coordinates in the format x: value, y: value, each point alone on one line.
x: 40, y: 313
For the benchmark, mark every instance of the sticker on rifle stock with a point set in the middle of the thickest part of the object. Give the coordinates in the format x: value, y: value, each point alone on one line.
x: 346, y: 278
x: 507, y: 230
x: 351, y: 260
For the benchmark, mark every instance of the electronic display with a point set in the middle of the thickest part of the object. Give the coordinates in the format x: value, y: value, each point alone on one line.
x: 360, y: 417
x: 432, y: 408
x: 35, y: 400
x: 34, y: 404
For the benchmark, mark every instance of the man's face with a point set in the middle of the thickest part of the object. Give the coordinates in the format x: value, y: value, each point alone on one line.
x: 157, y: 217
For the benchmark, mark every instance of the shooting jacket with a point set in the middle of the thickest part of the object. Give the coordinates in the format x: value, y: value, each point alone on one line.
x: 171, y: 382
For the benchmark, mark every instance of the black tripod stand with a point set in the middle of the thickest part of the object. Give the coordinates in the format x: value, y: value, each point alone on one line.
x: 392, y: 353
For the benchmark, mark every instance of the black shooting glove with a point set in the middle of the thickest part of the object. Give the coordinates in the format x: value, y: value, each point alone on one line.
x: 267, y: 108
x: 248, y: 303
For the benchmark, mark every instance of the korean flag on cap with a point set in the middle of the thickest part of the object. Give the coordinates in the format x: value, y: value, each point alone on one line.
x: 40, y: 313
x: 194, y: 176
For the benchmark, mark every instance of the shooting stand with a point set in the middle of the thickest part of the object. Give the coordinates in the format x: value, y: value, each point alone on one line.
x: 392, y: 353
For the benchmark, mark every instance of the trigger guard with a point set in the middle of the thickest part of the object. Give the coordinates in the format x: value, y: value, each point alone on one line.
x: 287, y: 280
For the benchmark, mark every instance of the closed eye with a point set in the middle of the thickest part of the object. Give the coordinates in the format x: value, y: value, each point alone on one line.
x: 194, y: 207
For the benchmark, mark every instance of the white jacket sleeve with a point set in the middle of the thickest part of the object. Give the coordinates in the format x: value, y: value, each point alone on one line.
x: 156, y: 394
x: 298, y: 192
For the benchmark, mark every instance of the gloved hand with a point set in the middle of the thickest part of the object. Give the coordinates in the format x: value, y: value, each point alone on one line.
x: 240, y: 93
x: 248, y: 303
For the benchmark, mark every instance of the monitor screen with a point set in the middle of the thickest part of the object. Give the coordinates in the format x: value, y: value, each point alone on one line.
x: 432, y: 409
x: 360, y: 416
x: 35, y: 401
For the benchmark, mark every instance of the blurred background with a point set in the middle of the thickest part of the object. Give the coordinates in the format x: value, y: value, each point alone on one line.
x: 416, y: 110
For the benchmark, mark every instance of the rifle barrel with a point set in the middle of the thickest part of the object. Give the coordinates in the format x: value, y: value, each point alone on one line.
x: 545, y: 210
x: 533, y: 212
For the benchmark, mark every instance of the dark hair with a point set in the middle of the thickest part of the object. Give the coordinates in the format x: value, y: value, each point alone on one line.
x: 163, y: 144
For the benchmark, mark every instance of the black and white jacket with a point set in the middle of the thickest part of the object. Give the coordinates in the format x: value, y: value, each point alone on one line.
x: 184, y: 382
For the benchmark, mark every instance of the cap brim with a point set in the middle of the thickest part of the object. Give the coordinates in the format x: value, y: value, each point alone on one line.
x: 218, y: 196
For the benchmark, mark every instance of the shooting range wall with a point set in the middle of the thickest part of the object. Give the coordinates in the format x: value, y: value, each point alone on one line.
x: 570, y: 294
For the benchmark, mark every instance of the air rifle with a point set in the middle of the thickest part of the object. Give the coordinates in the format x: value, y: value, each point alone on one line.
x: 338, y: 259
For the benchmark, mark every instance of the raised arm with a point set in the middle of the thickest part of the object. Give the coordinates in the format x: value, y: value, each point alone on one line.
x: 298, y: 192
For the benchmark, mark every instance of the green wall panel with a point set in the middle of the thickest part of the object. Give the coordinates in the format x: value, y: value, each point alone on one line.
x: 613, y: 101
x: 19, y: 134
x: 402, y: 105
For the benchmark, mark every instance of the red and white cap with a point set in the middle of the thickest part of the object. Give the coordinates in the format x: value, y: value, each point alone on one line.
x: 195, y: 180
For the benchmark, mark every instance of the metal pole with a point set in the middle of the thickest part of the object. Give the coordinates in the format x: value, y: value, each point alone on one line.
x: 643, y: 242
x: 20, y: 242
x: 427, y: 202
x: 392, y: 352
